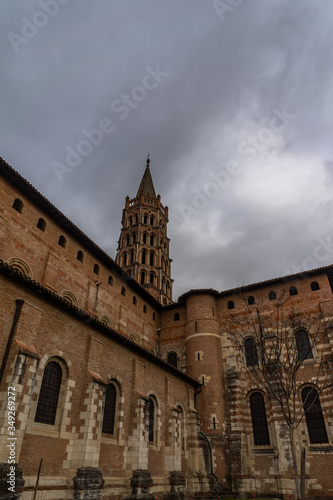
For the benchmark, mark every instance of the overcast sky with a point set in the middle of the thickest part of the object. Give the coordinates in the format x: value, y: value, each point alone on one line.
x: 232, y: 98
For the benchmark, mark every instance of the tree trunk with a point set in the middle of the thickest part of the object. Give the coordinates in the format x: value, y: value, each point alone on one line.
x: 295, y: 468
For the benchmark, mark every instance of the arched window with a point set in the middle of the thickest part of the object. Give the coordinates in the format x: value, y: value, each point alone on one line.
x: 136, y: 218
x: 134, y: 300
x: 272, y: 295
x: 144, y: 254
x: 314, y: 416
x: 80, y: 256
x: 127, y: 240
x: 293, y: 290
x: 251, y: 354
x: 124, y: 259
x: 314, y: 286
x: 109, y: 415
x: 172, y: 359
x: 49, y: 394
x: 151, y: 259
x: 143, y: 277
x: 152, y: 220
x: 145, y: 219
x: 154, y: 316
x: 144, y: 308
x: 110, y: 281
x: 96, y: 269
x: 131, y: 257
x: 123, y: 291
x: 62, y: 241
x: 251, y: 300
x: 176, y: 317
x: 151, y: 418
x: 231, y: 304
x: 41, y: 224
x: 152, y: 278
x: 144, y: 238
x: 303, y: 345
x: 18, y: 205
x: 133, y: 237
x: 259, y: 420
x: 130, y: 221
x: 152, y: 238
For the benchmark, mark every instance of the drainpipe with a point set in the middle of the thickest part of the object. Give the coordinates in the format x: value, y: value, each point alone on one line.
x: 211, y: 463
x: 19, y: 304
x: 158, y: 331
x: 196, y: 394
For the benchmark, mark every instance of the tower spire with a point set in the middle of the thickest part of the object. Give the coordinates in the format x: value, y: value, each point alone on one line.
x: 147, y: 185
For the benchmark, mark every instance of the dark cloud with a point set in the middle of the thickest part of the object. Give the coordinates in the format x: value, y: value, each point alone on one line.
x: 226, y: 81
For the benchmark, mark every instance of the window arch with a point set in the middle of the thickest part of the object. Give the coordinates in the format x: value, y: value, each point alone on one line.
x: 152, y: 239
x: 49, y: 394
x: 109, y: 415
x: 144, y: 238
x: 303, y: 345
x: 127, y: 240
x: 80, y: 256
x: 251, y: 300
x: 69, y: 297
x: 18, y: 205
x: 231, y: 304
x: 251, y: 354
x: 152, y: 278
x: 314, y: 416
x: 96, y: 269
x: 176, y: 317
x: 172, y: 359
x: 124, y: 258
x: 105, y: 320
x: 133, y: 238
x: 62, y: 241
x: 131, y: 257
x: 293, y: 290
x: 145, y: 219
x: 20, y: 265
x: 41, y: 224
x: 315, y: 286
x: 143, y: 256
x: 259, y: 420
x: 144, y: 308
x: 151, y: 420
x: 154, y: 316
x: 123, y: 291
x: 272, y: 295
x: 152, y: 220
x: 151, y: 258
x: 110, y: 281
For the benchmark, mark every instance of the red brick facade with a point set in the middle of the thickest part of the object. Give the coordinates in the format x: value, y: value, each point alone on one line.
x: 84, y: 313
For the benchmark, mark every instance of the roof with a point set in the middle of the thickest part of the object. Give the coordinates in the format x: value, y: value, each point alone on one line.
x: 261, y: 284
x: 49, y: 209
x: 146, y: 184
x: 80, y: 315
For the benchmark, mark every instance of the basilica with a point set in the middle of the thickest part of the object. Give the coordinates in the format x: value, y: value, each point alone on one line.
x: 112, y: 388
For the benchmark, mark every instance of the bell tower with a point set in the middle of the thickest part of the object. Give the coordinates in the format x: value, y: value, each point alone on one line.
x: 143, y: 246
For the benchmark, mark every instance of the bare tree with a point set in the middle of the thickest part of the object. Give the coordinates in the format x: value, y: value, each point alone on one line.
x: 276, y: 342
